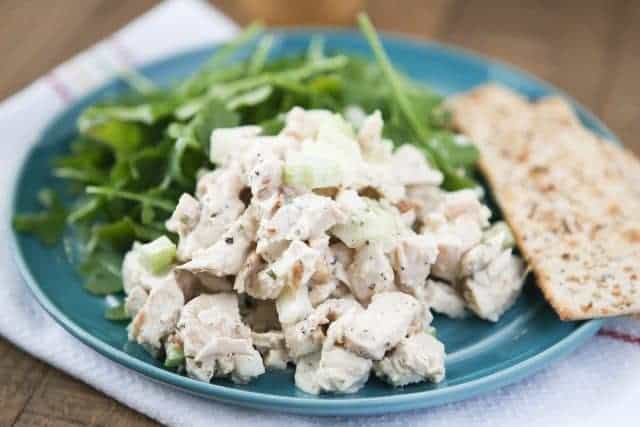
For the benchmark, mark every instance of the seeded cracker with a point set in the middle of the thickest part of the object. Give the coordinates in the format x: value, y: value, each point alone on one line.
x: 572, y: 199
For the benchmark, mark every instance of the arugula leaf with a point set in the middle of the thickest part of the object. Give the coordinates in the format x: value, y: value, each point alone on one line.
x: 119, y: 235
x: 137, y: 153
x: 48, y: 224
x: 260, y: 55
x: 102, y: 272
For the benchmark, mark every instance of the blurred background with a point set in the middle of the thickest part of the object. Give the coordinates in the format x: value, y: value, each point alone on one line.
x: 588, y: 48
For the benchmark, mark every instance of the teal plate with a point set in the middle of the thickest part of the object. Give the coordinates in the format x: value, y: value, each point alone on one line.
x: 482, y: 356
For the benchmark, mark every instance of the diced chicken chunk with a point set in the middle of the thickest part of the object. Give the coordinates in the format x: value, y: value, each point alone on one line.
x: 158, y: 316
x: 306, y: 373
x: 490, y: 292
x: 134, y: 273
x: 293, y: 270
x: 454, y: 240
x: 293, y: 304
x: 185, y: 217
x: 220, y: 206
x: 307, y: 336
x: 301, y: 124
x: 341, y: 371
x: 444, y: 299
x: 336, y: 369
x: 370, y: 273
x: 246, y: 278
x: 342, y: 259
x: 266, y: 175
x: 320, y: 292
x: 412, y: 260
x: 388, y: 319
x: 216, y: 342
x: 237, y: 140
x: 478, y: 257
x: 272, y: 347
x: 410, y: 167
x: 416, y: 358
x: 135, y: 300
x: 228, y: 254
x: 465, y: 204
x: 304, y: 217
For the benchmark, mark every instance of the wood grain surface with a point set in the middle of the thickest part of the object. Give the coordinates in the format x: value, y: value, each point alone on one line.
x: 589, y: 48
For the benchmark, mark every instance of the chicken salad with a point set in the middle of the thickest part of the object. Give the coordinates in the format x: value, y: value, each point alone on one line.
x: 322, y: 248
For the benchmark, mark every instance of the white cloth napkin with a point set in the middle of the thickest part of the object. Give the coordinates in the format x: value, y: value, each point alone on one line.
x: 597, y: 385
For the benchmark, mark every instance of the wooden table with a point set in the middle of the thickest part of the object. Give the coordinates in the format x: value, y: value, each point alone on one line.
x: 588, y: 48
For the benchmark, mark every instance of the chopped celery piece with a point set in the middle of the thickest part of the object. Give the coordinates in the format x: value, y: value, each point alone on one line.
x: 312, y: 171
x: 157, y: 255
x: 175, y: 356
x: 373, y: 223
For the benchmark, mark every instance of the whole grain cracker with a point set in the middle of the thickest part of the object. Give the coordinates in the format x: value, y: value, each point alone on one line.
x: 572, y: 199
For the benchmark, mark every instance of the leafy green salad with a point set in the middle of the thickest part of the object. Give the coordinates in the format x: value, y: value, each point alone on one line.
x: 134, y: 155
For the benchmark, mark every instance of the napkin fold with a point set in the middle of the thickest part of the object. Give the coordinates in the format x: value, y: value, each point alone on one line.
x: 597, y: 385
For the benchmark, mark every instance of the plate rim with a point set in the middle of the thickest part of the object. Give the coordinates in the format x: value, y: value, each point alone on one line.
x: 301, y: 405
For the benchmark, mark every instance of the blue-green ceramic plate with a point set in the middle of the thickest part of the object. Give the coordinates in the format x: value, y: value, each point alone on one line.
x: 482, y: 356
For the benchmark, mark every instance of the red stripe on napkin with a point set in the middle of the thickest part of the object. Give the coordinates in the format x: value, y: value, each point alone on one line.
x: 619, y: 336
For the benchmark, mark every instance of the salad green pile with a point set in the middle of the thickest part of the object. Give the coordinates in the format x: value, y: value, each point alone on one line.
x: 136, y: 154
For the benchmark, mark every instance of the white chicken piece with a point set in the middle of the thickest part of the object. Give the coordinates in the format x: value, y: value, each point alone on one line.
x: 323, y: 269
x: 293, y: 270
x: 342, y: 259
x: 379, y: 177
x: 412, y: 260
x: 216, y: 342
x: 410, y: 167
x: 228, y: 254
x: 374, y: 149
x: 465, y: 204
x: 157, y: 318
x: 390, y: 317
x: 271, y: 345
x: 235, y: 140
x: 426, y: 197
x: 320, y: 292
x: 370, y: 273
x: 265, y: 177
x: 492, y: 291
x: 340, y: 370
x: 135, y: 300
x: 334, y: 369
x: 270, y: 250
x: 304, y: 124
x: 444, y: 299
x: 370, y: 132
x: 417, y: 358
x: 265, y: 207
x: 478, y: 257
x: 454, y: 239
x: 134, y: 273
x: 185, y: 217
x: 304, y: 217
x: 307, y: 336
x: 293, y: 304
x: 306, y: 377
x: 246, y: 277
x: 220, y: 206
